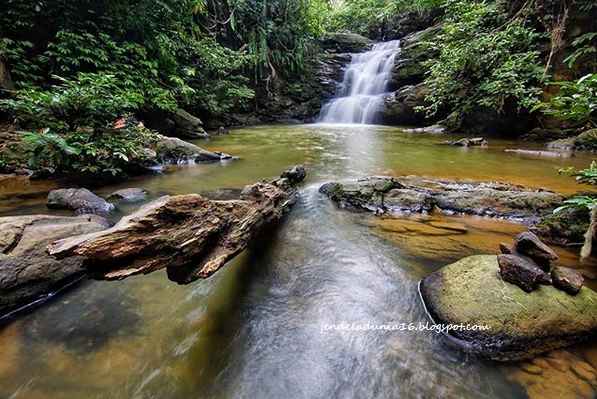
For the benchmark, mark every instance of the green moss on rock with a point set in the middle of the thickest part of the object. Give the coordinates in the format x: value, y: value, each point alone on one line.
x: 522, y: 325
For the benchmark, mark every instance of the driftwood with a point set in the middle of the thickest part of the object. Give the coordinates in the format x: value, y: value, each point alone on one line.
x: 189, y: 235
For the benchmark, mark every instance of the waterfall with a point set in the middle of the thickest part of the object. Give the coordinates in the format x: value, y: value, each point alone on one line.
x: 365, y: 82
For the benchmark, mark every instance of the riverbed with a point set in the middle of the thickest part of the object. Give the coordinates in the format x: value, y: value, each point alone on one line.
x: 254, y: 329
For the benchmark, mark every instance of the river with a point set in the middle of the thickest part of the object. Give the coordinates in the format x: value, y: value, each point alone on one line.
x: 254, y: 329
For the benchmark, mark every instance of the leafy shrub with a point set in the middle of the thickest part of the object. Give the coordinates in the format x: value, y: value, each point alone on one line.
x: 575, y: 101
x: 485, y: 57
x: 583, y: 202
x: 88, y: 100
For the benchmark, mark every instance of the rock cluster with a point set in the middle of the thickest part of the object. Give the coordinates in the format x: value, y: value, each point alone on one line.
x: 522, y: 325
x: 527, y: 264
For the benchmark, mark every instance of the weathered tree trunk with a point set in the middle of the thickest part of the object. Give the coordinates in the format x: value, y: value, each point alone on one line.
x: 189, y: 235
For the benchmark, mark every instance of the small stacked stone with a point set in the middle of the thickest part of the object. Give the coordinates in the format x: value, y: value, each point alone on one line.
x: 527, y: 264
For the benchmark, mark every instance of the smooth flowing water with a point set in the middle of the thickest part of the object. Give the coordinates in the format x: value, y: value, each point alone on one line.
x: 253, y: 330
x: 365, y: 82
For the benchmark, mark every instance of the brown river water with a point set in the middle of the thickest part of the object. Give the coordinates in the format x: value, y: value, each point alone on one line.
x: 253, y: 330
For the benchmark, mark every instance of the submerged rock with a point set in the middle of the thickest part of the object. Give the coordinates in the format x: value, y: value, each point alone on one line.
x: 27, y: 273
x: 470, y: 292
x: 80, y: 200
x: 566, y: 279
x: 416, y: 195
x: 129, y: 194
x: 548, y: 154
x: 474, y: 142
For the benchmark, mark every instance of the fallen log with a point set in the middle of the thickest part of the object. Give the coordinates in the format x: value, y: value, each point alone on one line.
x: 189, y: 235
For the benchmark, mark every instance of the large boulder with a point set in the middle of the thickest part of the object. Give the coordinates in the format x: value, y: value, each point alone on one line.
x: 521, y: 325
x: 188, y: 126
x: 27, y: 273
x: 381, y: 194
x: 80, y: 200
x: 175, y: 124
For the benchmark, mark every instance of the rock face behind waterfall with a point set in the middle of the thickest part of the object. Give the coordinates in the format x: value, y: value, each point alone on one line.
x: 522, y: 325
x: 189, y: 235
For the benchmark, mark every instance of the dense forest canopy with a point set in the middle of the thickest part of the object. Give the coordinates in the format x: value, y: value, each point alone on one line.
x: 216, y: 57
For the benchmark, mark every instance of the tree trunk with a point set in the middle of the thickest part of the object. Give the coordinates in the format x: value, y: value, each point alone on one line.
x: 587, y: 247
x: 189, y: 235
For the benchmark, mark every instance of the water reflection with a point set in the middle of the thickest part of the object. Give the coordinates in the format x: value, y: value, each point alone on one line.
x: 253, y: 329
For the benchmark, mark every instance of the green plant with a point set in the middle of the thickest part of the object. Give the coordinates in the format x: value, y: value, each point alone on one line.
x: 90, y: 99
x: 485, y: 57
x: 49, y: 149
x: 583, y: 202
x: 575, y: 101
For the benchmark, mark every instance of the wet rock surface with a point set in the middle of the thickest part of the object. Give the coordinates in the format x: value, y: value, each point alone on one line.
x: 566, y: 279
x: 80, y: 200
x: 382, y: 194
x: 175, y: 150
x: 520, y: 272
x: 128, y: 195
x: 27, y: 273
x: 522, y: 325
x: 473, y: 142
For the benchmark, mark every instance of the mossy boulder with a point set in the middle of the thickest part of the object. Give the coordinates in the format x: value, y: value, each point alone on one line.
x: 522, y: 325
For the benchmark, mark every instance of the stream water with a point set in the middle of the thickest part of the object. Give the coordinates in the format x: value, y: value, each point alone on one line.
x: 254, y: 329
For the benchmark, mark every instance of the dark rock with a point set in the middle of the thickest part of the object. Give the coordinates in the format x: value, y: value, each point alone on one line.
x: 27, y: 273
x: 222, y: 130
x: 566, y: 279
x: 80, y: 200
x: 188, y: 126
x: 399, y: 108
x: 414, y: 194
x: 522, y: 325
x: 529, y: 244
x: 128, y: 194
x: 506, y: 249
x: 42, y: 174
x: 520, y: 272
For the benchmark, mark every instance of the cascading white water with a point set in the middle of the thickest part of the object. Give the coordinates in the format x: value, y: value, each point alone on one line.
x: 365, y: 82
